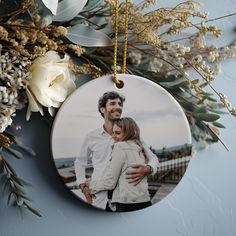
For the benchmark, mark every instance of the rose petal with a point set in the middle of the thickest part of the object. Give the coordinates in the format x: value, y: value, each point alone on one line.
x: 61, y: 88
x: 48, y: 58
x: 51, y: 111
x: 33, y: 105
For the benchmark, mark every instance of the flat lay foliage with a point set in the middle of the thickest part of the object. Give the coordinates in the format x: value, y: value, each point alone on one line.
x: 166, y: 45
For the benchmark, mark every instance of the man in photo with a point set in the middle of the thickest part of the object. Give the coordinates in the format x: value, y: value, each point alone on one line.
x: 97, y: 145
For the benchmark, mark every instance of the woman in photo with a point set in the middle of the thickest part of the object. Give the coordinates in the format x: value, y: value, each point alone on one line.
x: 127, y: 151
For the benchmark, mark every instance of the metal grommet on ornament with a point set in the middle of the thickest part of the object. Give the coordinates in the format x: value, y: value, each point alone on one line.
x: 103, y: 134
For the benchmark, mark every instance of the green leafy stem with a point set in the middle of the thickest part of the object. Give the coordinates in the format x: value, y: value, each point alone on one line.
x: 11, y: 183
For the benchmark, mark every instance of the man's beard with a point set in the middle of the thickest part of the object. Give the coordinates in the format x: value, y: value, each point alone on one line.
x: 111, y: 117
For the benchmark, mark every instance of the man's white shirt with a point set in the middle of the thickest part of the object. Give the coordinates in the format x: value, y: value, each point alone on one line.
x: 97, y: 146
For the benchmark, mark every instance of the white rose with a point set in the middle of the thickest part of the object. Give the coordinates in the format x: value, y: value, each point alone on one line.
x: 51, y: 83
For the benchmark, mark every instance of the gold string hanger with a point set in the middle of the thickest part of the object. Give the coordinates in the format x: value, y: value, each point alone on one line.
x: 119, y: 83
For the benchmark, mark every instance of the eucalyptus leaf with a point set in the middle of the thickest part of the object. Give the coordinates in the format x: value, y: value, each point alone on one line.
x: 3, y: 179
x: 19, y: 201
x: 209, y: 94
x: 184, y: 95
x: 9, y: 198
x: 187, y: 106
x: 207, y: 116
x: 52, y: 5
x: 68, y: 9
x: 182, y: 84
x: 200, y: 110
x: 5, y: 185
x: 78, y: 20
x: 211, y: 140
x: 216, y: 105
x: 25, y: 197
x: 202, y: 126
x: 195, y: 136
x: 20, y: 181
x: 98, y: 21
x: 169, y: 78
x: 217, y: 111
x: 8, y: 168
x: 33, y: 210
x: 19, y: 188
x: 28, y: 150
x: 17, y: 180
x: 14, y: 152
x: 154, y: 76
x: 219, y: 125
x: 1, y: 166
x: 92, y: 4
x: 88, y: 37
x: 211, y: 99
x: 107, y: 30
x: 208, y: 97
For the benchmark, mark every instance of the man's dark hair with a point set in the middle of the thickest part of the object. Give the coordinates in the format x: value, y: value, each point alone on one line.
x: 109, y: 95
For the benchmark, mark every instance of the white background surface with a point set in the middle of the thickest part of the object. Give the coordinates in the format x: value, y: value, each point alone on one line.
x: 204, y: 202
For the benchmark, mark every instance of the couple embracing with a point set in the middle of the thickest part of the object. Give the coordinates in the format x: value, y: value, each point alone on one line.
x: 121, y: 161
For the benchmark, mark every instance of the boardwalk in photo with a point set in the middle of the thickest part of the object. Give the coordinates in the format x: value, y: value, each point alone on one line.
x: 162, y: 192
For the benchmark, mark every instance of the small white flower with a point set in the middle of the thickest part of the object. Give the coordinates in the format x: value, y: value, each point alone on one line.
x: 51, y: 83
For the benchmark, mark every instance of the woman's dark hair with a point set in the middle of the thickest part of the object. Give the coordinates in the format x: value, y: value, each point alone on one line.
x: 109, y: 95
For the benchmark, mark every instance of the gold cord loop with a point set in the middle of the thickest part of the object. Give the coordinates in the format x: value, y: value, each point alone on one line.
x: 125, y: 36
x: 118, y: 82
x: 116, y: 42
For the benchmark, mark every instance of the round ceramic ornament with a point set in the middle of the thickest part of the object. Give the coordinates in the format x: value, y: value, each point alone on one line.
x: 105, y: 138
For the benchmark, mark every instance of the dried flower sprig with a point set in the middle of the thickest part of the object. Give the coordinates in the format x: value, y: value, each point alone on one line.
x: 14, y: 76
x: 227, y: 104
